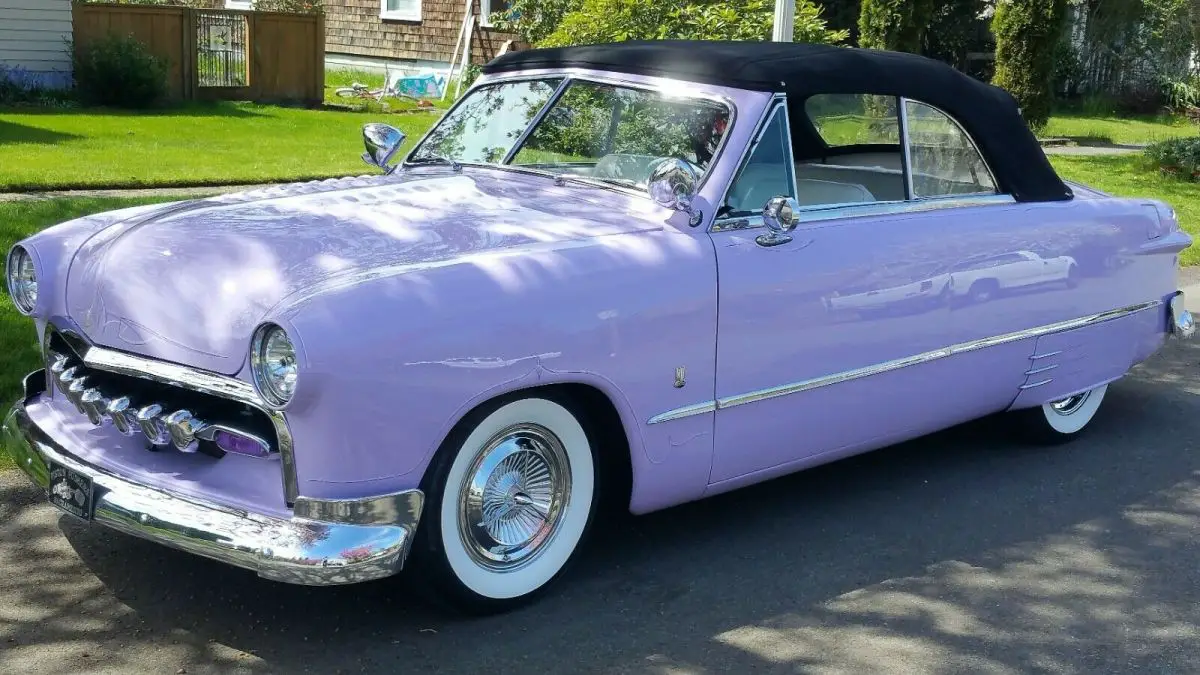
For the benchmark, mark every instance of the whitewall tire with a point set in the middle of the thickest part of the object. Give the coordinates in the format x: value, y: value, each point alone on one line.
x: 510, y: 497
x: 1060, y: 421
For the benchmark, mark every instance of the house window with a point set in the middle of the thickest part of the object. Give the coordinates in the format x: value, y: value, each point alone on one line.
x: 239, y: 4
x: 489, y: 7
x: 402, y: 10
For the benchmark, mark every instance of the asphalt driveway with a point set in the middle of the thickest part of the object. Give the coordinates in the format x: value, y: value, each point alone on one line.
x: 961, y: 552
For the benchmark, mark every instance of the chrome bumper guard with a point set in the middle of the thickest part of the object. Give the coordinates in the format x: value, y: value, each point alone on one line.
x: 1182, y: 323
x: 326, y: 542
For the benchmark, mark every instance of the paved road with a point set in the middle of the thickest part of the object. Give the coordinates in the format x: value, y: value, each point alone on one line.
x: 961, y: 552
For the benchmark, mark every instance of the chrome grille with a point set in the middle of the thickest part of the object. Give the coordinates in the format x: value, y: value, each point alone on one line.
x: 166, y: 416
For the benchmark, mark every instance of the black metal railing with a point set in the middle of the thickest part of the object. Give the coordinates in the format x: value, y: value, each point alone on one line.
x: 222, y: 58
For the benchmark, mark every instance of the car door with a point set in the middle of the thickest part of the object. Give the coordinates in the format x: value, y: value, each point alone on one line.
x: 823, y: 339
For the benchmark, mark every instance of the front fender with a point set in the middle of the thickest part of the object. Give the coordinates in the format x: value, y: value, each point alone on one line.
x: 391, y: 364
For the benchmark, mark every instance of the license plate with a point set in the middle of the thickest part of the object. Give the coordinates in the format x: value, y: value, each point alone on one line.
x: 71, y: 491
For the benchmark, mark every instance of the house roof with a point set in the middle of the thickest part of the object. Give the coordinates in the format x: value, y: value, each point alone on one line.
x: 801, y: 70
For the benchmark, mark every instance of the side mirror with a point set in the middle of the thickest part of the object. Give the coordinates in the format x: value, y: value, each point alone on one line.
x: 673, y: 185
x: 382, y: 141
x: 780, y: 217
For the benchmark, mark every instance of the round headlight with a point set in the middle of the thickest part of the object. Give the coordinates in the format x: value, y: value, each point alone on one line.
x: 273, y: 361
x: 22, y: 280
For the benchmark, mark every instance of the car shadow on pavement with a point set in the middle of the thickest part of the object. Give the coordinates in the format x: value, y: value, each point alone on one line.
x: 960, y: 551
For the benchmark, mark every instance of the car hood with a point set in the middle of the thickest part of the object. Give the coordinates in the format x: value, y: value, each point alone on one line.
x: 189, y: 282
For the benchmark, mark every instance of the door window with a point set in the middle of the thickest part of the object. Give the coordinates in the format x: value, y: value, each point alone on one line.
x: 768, y: 171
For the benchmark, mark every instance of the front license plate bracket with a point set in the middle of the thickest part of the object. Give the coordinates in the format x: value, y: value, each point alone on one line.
x: 71, y: 491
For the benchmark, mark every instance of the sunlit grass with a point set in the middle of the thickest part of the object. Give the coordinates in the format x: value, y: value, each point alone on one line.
x: 1127, y: 177
x: 1117, y: 129
x: 211, y: 144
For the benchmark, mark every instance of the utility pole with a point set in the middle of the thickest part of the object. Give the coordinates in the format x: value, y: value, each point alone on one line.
x: 785, y: 17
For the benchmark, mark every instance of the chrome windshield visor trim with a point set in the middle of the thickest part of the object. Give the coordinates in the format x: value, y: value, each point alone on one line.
x: 325, y: 542
x: 202, y: 381
x: 887, y: 366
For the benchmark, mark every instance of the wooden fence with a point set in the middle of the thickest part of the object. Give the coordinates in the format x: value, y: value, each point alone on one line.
x: 221, y: 54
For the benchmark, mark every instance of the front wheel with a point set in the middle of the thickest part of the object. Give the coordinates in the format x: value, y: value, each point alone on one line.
x: 510, y: 497
x: 1061, y: 421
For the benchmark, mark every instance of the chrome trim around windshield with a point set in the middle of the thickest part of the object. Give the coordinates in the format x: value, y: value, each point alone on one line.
x: 205, y: 382
x: 678, y: 89
x: 896, y: 364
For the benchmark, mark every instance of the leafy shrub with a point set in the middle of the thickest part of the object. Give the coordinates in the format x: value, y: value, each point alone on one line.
x: 120, y: 71
x: 596, y: 21
x: 290, y: 6
x: 1182, y: 95
x: 1027, y: 32
x: 1179, y: 157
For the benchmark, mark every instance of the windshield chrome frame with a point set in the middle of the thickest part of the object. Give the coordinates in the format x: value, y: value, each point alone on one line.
x: 684, y: 89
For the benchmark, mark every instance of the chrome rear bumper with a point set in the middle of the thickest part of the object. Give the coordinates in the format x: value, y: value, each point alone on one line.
x: 1182, y: 323
x: 326, y: 542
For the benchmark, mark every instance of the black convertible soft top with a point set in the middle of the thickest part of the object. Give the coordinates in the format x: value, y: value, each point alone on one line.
x: 989, y: 114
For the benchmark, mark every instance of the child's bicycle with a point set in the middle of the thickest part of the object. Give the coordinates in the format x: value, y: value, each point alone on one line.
x: 395, y: 86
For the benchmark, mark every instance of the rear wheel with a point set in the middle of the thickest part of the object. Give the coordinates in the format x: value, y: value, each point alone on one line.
x: 1063, y: 420
x: 983, y: 290
x: 511, y: 495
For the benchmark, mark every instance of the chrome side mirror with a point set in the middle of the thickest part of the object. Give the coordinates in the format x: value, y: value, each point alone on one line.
x: 673, y: 185
x: 780, y: 217
x: 382, y: 142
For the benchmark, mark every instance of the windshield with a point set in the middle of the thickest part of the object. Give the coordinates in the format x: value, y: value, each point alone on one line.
x: 605, y: 132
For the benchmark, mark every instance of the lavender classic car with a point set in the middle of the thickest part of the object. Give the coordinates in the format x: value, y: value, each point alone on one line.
x: 609, y: 273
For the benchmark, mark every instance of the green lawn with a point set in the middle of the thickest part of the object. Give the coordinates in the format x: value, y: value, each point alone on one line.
x: 1118, y: 129
x: 210, y: 144
x: 18, y: 343
x: 1124, y: 175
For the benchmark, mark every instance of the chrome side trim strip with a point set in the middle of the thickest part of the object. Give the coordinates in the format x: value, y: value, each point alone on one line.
x: 197, y: 380
x: 1035, y: 371
x: 1047, y: 355
x: 1035, y: 384
x: 686, y: 411
x: 816, y: 213
x: 896, y: 364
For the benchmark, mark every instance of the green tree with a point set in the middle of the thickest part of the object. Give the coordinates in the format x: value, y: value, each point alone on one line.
x: 956, y: 27
x: 618, y: 20
x: 1027, y: 32
x: 897, y: 25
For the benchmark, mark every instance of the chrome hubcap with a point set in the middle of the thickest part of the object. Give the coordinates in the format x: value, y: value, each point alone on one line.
x: 1071, y: 404
x: 510, y: 505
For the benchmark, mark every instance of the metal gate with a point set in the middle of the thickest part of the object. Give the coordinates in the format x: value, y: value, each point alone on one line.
x: 222, y: 59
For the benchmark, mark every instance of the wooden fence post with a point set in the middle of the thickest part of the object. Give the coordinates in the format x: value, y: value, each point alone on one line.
x: 188, y: 49
x: 318, y: 91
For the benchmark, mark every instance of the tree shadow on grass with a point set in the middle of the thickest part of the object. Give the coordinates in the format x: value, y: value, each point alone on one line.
x: 11, y: 132
x: 962, y: 551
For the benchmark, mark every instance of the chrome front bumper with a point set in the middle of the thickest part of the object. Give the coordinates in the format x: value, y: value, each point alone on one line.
x: 326, y: 542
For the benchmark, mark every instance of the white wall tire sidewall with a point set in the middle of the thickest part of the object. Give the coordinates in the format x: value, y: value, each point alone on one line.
x: 573, y: 520
x: 1077, y: 420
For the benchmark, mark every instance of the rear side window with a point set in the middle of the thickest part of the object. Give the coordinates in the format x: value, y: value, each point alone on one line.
x: 944, y: 160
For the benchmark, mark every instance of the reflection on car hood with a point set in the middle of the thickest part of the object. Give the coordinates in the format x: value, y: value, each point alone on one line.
x: 189, y: 282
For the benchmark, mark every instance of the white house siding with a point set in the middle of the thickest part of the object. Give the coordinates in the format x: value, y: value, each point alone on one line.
x: 34, y: 38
